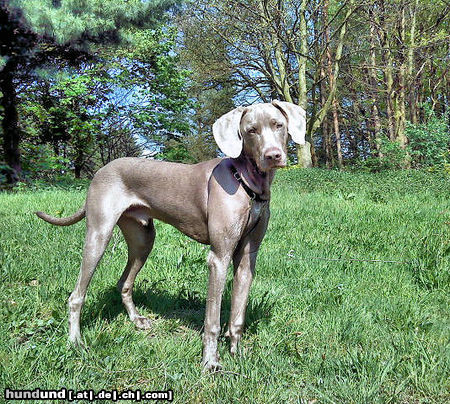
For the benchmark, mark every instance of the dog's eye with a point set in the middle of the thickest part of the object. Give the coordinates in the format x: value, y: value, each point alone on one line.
x: 279, y: 125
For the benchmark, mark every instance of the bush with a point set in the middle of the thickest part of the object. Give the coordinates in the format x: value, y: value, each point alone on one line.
x: 428, y: 147
x: 393, y: 158
x: 40, y: 162
x: 429, y: 143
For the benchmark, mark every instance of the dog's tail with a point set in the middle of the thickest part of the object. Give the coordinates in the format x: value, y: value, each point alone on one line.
x: 64, y: 221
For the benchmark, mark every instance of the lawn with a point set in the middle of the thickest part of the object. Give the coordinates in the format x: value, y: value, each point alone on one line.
x: 350, y: 303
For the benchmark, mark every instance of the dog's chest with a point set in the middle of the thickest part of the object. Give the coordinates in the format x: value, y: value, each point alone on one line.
x: 257, y: 210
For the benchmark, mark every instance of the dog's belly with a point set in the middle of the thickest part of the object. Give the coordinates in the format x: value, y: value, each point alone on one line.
x: 193, y: 227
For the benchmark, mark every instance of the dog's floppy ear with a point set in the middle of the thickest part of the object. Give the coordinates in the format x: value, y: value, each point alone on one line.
x: 296, y: 117
x: 227, y: 134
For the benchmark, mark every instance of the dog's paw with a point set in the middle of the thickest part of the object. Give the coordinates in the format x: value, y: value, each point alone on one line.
x: 77, y: 343
x: 234, y: 343
x: 210, y: 362
x: 211, y: 366
x: 234, y: 348
x: 142, y: 322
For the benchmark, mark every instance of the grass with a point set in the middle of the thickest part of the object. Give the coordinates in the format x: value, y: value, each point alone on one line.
x: 317, y: 329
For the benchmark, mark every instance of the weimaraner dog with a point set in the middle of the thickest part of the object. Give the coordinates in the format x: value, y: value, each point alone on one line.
x: 222, y: 202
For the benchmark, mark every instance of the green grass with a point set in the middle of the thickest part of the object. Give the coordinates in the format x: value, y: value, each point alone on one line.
x: 317, y: 329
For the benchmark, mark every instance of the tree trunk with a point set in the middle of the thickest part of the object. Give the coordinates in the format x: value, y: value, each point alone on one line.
x: 332, y: 85
x: 305, y: 154
x: 77, y: 171
x: 337, y: 59
x: 327, y: 143
x: 357, y: 134
x: 337, y: 133
x: 373, y: 81
x: 400, y: 110
x: 325, y: 127
x: 305, y: 159
x: 79, y: 158
x: 420, y: 97
x: 411, y: 78
x: 353, y: 143
x: 388, y: 76
x: 10, y: 126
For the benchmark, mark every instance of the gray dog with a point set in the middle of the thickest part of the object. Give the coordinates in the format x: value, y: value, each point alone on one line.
x: 222, y: 202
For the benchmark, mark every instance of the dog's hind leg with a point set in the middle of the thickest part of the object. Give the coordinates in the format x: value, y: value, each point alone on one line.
x: 99, y: 230
x: 140, y: 240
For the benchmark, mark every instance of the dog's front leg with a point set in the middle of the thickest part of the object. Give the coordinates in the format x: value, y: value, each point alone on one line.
x: 244, y: 260
x: 218, y: 264
x: 244, y: 267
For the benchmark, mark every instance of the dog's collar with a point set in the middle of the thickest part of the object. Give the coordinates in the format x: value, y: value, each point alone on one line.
x: 252, y: 194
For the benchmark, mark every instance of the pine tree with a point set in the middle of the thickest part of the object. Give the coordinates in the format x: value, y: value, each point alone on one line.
x: 36, y: 32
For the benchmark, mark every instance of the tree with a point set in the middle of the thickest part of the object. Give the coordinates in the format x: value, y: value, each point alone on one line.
x: 361, y: 69
x: 36, y: 32
x: 16, y: 41
x: 397, y: 93
x: 211, y: 85
x: 267, y: 48
x: 103, y: 108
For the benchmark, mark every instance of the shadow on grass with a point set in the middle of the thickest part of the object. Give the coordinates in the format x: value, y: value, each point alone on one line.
x: 187, y: 306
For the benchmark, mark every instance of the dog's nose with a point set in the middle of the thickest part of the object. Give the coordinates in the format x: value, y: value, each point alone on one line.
x: 273, y: 154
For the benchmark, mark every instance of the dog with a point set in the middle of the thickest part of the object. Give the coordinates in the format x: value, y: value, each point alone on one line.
x: 222, y: 202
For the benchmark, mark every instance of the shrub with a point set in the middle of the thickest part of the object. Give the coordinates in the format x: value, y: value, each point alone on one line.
x: 394, y: 157
x: 429, y: 142
x: 428, y: 147
x: 39, y: 162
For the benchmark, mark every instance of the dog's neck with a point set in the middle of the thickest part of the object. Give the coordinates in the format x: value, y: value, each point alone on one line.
x: 259, y: 182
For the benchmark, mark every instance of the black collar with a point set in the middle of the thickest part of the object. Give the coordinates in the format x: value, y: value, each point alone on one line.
x: 252, y: 194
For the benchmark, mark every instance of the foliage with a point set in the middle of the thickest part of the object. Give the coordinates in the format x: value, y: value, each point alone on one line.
x: 103, y: 110
x: 41, y: 163
x: 209, y: 104
x: 362, y: 68
x: 86, y: 22
x: 392, y: 157
x: 160, y: 93
x: 428, y: 147
x: 94, y: 80
x: 60, y: 112
x: 4, y: 171
x: 319, y: 326
x: 210, y: 84
x: 57, y: 34
x: 174, y: 150
x: 201, y: 146
x: 429, y: 142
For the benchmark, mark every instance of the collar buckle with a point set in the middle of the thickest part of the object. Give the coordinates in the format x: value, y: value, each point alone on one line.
x: 252, y: 194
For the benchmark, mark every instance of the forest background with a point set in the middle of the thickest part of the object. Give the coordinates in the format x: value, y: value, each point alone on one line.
x: 84, y: 82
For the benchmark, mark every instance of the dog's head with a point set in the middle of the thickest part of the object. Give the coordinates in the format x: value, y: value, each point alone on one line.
x: 260, y: 132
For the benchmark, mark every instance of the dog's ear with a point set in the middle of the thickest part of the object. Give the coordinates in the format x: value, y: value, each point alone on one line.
x: 296, y: 117
x: 227, y: 133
